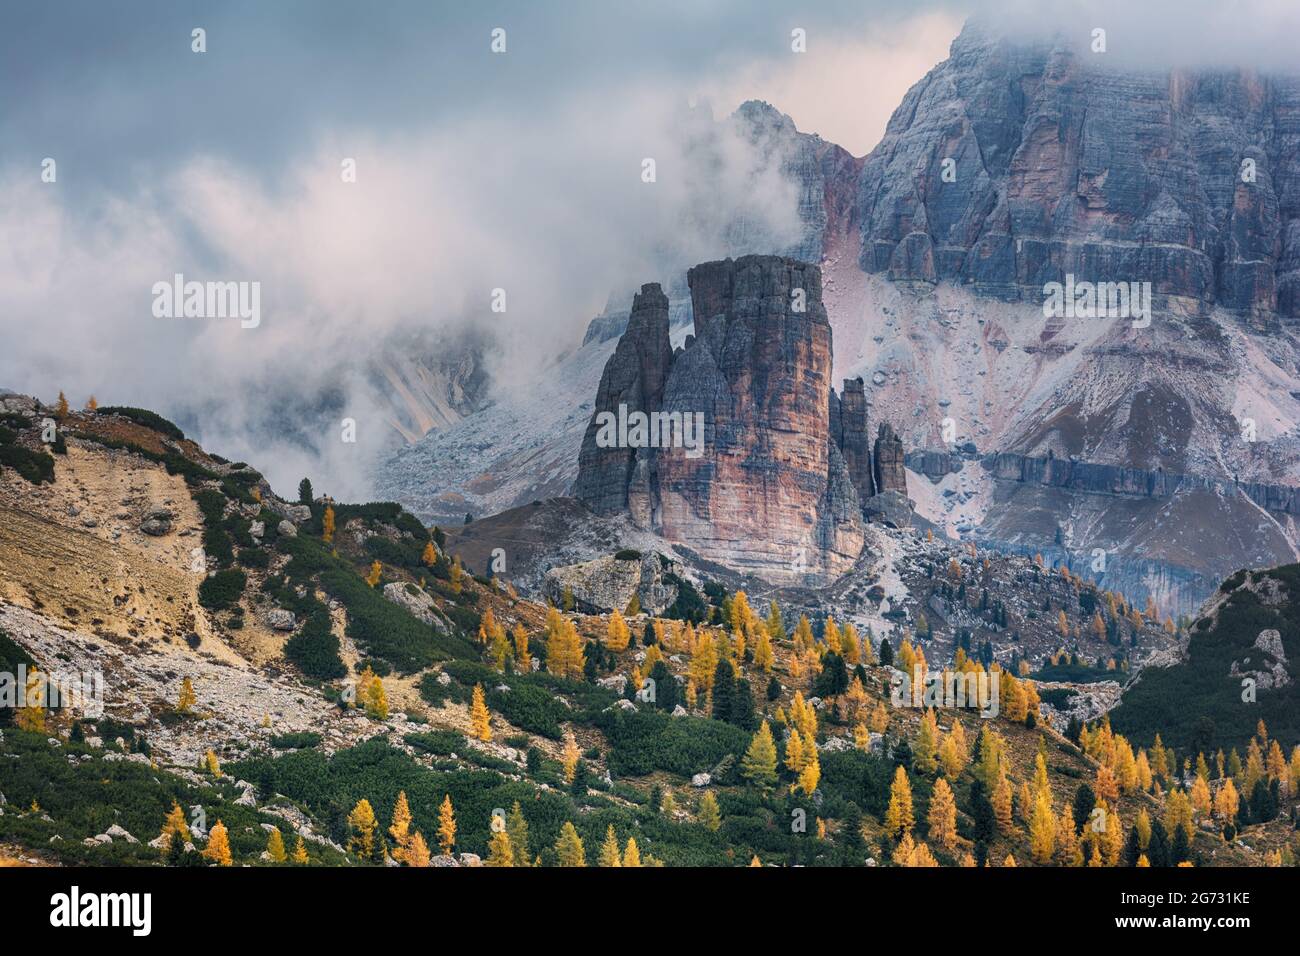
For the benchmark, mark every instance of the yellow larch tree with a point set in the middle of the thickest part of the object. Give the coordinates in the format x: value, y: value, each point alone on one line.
x: 1002, y: 804
x: 609, y: 852
x: 1106, y: 786
x: 811, y: 771
x: 703, y: 663
x: 31, y: 714
x: 942, y: 817
x: 861, y: 737
x: 709, y: 814
x: 852, y: 646
x: 1067, y: 839
x: 952, y: 752
x: 569, y: 759
x: 186, y: 700
x: 617, y: 636
x: 362, y: 824
x: 925, y: 749
x: 758, y: 766
x: 174, y: 826
x: 794, y: 755
x: 373, y: 696
x: 879, y: 718
x: 400, y: 830
x: 480, y: 719
x: 500, y: 852
x: 898, y: 817
x: 1178, y: 813
x: 764, y: 657
x: 1042, y: 830
x: 523, y: 660
x: 855, y: 701
x: 416, y: 853
x: 218, y: 848
x: 631, y: 854
x: 831, y: 637
x: 275, y: 846
x: 564, y: 655
x: 1227, y: 802
x: 1201, y: 801
x: 568, y: 847
x: 803, y: 716
x: 517, y: 827
x: 487, y: 625
x: 446, y: 825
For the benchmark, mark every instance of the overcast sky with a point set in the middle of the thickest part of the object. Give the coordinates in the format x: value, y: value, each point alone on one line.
x: 474, y: 170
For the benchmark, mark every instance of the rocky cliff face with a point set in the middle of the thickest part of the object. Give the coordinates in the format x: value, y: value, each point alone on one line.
x: 432, y: 382
x: 634, y: 379
x: 1058, y: 164
x: 1136, y: 531
x: 824, y: 174
x: 849, y: 431
x: 767, y: 491
x: 891, y: 473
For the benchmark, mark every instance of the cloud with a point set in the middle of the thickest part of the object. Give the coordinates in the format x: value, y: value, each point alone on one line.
x: 846, y: 86
x: 551, y: 208
x: 475, y: 172
x: 1161, y: 35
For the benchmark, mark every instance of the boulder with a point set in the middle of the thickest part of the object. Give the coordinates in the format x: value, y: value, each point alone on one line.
x: 609, y: 583
x: 116, y: 832
x: 280, y: 619
x: 417, y: 601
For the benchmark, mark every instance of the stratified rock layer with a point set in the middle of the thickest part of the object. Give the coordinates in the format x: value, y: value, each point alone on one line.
x: 769, y: 491
x: 1058, y: 163
x: 891, y: 470
x: 849, y: 430
x: 634, y: 377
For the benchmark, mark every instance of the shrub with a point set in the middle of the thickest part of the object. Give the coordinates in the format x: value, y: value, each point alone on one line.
x: 212, y: 504
x: 399, y: 554
x: 11, y: 656
x: 35, y: 467
x: 315, y: 648
x: 254, y: 558
x: 142, y: 416
x: 438, y: 694
x: 222, y: 589
x: 440, y: 743
x: 688, y: 605
x: 642, y: 743
x: 217, y: 546
x: 530, y: 708
x: 386, y: 630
